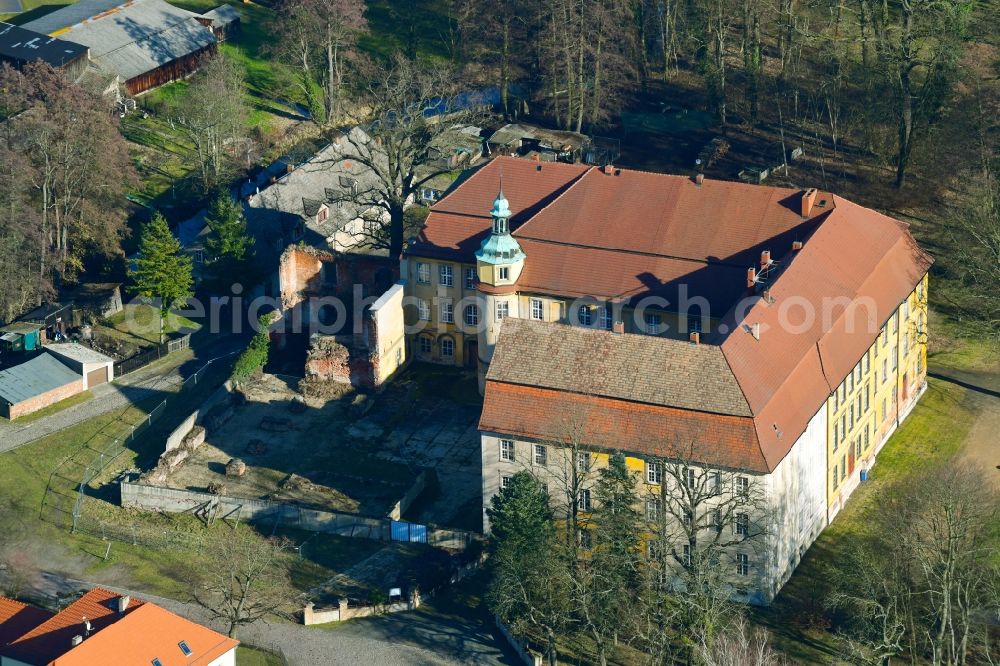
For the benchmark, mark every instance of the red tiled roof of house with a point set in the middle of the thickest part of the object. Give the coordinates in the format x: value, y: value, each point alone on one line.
x: 634, y: 228
x: 606, y: 423
x: 135, y: 637
x: 52, y: 638
x: 150, y: 632
x: 460, y: 220
x: 671, y: 216
x: 16, y: 619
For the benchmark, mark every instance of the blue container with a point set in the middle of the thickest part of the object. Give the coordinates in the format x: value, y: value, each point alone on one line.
x: 864, y: 475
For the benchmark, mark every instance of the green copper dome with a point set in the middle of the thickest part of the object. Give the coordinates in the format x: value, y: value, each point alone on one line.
x: 500, y: 247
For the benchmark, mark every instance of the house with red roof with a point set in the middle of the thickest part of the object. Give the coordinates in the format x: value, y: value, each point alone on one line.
x: 772, y: 338
x: 104, y: 627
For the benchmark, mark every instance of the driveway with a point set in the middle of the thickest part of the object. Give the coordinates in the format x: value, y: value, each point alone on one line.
x: 436, y: 635
x: 132, y: 388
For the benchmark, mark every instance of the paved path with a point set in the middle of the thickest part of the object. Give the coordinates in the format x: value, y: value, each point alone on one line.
x: 429, y: 636
x: 132, y: 388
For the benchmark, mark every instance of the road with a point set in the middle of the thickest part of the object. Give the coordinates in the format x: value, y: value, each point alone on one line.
x: 428, y: 636
x: 132, y: 388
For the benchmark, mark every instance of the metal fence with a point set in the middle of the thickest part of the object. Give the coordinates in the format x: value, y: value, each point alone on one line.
x: 145, y: 358
x: 110, y: 453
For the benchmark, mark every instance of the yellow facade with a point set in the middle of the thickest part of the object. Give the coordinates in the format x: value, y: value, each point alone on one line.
x: 426, y: 282
x: 881, y: 389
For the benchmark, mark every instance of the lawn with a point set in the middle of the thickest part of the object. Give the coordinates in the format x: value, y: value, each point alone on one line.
x: 248, y: 656
x: 935, y: 431
x: 139, y: 324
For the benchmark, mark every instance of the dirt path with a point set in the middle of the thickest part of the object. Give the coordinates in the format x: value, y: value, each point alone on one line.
x: 982, y: 444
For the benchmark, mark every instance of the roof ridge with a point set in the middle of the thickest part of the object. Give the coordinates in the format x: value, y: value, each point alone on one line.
x: 573, y: 183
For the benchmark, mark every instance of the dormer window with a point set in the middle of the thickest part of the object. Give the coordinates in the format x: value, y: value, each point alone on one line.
x: 323, y: 214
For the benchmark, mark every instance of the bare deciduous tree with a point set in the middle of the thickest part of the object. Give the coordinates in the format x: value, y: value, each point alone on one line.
x: 245, y: 580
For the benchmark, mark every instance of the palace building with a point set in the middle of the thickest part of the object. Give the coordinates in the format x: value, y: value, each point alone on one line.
x: 771, y: 335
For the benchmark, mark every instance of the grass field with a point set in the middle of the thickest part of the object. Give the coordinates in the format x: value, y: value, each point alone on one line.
x: 248, y: 656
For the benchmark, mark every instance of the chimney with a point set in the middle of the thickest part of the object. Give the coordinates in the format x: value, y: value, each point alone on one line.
x: 808, y: 199
x: 765, y: 259
x: 755, y: 330
x: 618, y: 327
x: 290, y: 167
x: 608, y: 169
x: 695, y: 337
x: 76, y: 640
x: 751, y: 277
x: 796, y: 246
x: 122, y: 603
x: 699, y: 179
x: 86, y: 627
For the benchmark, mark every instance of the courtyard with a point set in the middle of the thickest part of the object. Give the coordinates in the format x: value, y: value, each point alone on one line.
x: 349, y: 452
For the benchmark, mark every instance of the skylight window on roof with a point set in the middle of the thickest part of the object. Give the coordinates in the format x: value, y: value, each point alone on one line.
x: 157, y: 662
x: 184, y: 648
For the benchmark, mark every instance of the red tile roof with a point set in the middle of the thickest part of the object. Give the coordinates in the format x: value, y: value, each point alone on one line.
x: 16, y: 619
x: 147, y: 633
x: 559, y: 416
x: 137, y: 636
x: 459, y: 221
x: 615, y: 236
x: 51, y: 639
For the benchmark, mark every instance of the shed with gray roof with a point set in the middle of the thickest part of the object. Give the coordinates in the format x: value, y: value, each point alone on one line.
x: 145, y: 42
x: 36, y: 384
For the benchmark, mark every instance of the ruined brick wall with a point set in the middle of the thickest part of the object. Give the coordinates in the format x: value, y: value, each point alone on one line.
x: 301, y: 274
x: 329, y: 359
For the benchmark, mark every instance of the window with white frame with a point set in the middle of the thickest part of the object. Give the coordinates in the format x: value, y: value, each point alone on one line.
x: 423, y: 310
x: 652, y: 321
x: 653, y: 506
x: 423, y: 273
x: 742, y: 485
x: 836, y: 401
x: 507, y: 450
x: 867, y: 439
x: 920, y: 291
x: 868, y: 397
x: 583, y: 315
x: 503, y: 310
x: 885, y: 336
x: 895, y: 322
x: 836, y: 477
x: 503, y: 273
x: 583, y: 461
x: 504, y: 481
x: 689, y: 477
x: 654, y: 473
x: 894, y: 355
x: 843, y: 468
x: 836, y: 434
x: 607, y: 317
x: 447, y: 347
x: 425, y: 345
x: 688, y: 518
x: 857, y: 374
x: 866, y: 361
x: 741, y: 526
x: 857, y: 447
x: 717, y: 482
x: 537, y: 309
x: 583, y: 501
x: 906, y: 342
x: 470, y: 278
x: 717, y: 519
x: 885, y: 370
x: 472, y: 315
x: 687, y: 555
x: 447, y: 312
x: 843, y: 426
x: 742, y: 564
x: 446, y: 275
x: 586, y: 538
x: 541, y: 454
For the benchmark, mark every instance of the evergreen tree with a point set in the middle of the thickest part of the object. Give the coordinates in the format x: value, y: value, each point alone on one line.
x: 529, y: 587
x: 161, y: 272
x: 254, y: 357
x: 229, y: 246
x: 612, y: 578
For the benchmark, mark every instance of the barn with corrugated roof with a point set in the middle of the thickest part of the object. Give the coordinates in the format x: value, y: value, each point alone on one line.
x: 146, y: 43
